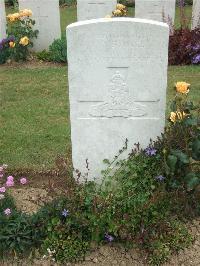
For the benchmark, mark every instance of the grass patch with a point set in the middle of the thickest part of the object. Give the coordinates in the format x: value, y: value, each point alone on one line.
x: 35, y: 125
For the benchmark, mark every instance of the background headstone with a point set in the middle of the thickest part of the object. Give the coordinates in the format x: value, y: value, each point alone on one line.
x: 196, y: 14
x: 2, y: 20
x: 91, y: 9
x: 46, y: 13
x: 160, y: 10
x: 117, y: 87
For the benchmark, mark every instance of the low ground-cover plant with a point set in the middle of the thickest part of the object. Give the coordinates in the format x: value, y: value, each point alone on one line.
x: 20, y: 36
x: 141, y: 202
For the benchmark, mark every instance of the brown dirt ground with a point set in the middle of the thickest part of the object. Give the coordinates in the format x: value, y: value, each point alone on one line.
x: 30, y: 199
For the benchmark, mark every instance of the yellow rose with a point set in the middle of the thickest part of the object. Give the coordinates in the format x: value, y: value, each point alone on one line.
x: 117, y: 13
x: 182, y: 87
x: 13, y: 17
x: 16, y: 16
x: 120, y: 7
x: 11, y: 44
x: 24, y: 41
x: 177, y: 115
x: 25, y: 13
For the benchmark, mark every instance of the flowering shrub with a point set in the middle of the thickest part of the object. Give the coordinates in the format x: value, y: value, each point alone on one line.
x: 20, y: 36
x: 184, y: 47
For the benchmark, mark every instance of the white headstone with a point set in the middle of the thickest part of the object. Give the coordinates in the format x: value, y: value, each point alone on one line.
x: 160, y: 10
x: 91, y: 9
x: 2, y: 20
x: 196, y: 14
x: 46, y: 13
x: 117, y: 87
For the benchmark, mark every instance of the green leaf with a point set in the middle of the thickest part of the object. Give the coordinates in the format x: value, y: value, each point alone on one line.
x: 171, y: 162
x: 191, y: 181
x: 181, y: 156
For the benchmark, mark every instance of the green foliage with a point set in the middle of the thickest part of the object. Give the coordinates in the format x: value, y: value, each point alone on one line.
x: 58, y: 50
x: 68, y: 2
x: 4, y: 53
x: 44, y: 55
x: 16, y: 234
x: 173, y: 238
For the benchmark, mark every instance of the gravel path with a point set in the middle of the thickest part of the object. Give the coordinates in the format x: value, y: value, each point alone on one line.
x: 30, y: 199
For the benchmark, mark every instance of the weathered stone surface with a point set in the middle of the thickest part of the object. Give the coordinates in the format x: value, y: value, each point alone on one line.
x: 160, y: 10
x: 46, y: 13
x: 117, y: 87
x: 92, y: 9
x: 2, y: 20
x: 196, y: 14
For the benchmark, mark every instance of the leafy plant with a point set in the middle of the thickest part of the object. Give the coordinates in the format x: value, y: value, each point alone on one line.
x: 58, y: 50
x: 184, y: 47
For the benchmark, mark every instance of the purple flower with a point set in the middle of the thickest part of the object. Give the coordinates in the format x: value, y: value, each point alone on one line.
x: 196, y: 59
x: 1, y: 46
x: 160, y: 178
x: 7, y: 211
x: 65, y: 213
x: 150, y: 151
x: 108, y: 237
x: 23, y: 180
x: 2, y: 189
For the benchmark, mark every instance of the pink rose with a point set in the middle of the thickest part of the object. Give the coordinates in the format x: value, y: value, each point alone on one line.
x: 2, y: 189
x: 10, y: 178
x: 23, y: 180
x: 7, y: 211
x: 9, y: 183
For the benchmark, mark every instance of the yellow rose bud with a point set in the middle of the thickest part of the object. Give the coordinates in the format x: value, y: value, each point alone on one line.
x: 173, y: 117
x: 182, y: 87
x: 11, y: 44
x: 24, y: 41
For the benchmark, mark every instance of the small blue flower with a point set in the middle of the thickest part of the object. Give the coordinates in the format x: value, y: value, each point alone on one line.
x: 196, y: 59
x: 65, y: 213
x: 109, y: 238
x: 160, y: 178
x: 150, y: 151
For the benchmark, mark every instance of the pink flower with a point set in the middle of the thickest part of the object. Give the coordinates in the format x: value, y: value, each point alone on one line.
x: 1, y: 175
x: 9, y: 183
x: 23, y: 180
x: 2, y: 189
x: 7, y: 211
x: 10, y: 178
x: 2, y: 196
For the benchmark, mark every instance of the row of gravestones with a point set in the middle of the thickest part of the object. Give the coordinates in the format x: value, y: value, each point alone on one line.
x: 47, y: 16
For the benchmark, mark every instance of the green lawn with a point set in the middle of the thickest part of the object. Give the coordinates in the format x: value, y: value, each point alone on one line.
x: 35, y: 125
